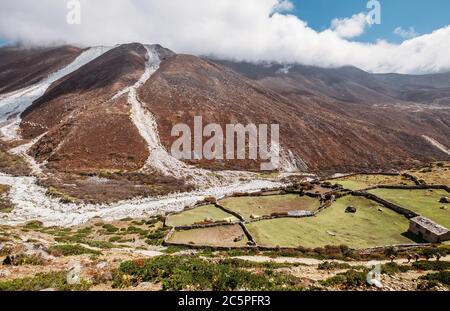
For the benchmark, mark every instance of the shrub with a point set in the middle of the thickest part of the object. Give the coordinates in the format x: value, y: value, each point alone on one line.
x: 63, y: 197
x: 431, y: 265
x: 29, y: 260
x: 192, y: 273
x: 100, y: 244
x: 393, y: 268
x: 156, y: 237
x: 34, y: 225
x: 71, y: 250
x: 442, y: 277
x: 110, y: 228
x: 390, y: 251
x: 327, y: 265
x: 56, y: 280
x: 349, y: 280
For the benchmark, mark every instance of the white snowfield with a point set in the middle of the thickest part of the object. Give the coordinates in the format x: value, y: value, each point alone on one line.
x: 437, y: 144
x: 22, y: 151
x: 31, y: 203
x: 12, y: 105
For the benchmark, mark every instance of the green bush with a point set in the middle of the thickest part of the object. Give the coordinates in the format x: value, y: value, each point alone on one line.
x: 71, y: 250
x: 431, y: 265
x: 394, y: 268
x: 99, y: 244
x: 327, y: 265
x: 192, y: 273
x: 110, y: 228
x: 349, y: 280
x: 29, y: 260
x: 442, y: 277
x: 56, y: 280
x: 156, y: 237
x: 239, y: 263
x: 34, y: 225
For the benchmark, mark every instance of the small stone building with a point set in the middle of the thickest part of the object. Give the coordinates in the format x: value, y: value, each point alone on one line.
x: 428, y: 230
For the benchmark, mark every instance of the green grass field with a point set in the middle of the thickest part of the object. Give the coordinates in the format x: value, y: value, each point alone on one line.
x: 215, y: 236
x: 367, y: 228
x: 423, y: 202
x: 198, y: 215
x: 265, y: 206
x: 360, y: 182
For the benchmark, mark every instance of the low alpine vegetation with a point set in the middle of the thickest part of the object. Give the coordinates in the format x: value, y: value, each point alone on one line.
x: 192, y: 273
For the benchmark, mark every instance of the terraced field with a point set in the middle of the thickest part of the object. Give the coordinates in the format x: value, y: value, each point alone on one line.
x: 423, y: 202
x: 435, y: 174
x: 202, y: 214
x: 368, y: 227
x: 266, y: 205
x: 227, y: 236
x: 360, y: 182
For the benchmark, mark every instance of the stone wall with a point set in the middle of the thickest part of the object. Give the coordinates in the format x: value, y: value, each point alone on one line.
x: 401, y: 210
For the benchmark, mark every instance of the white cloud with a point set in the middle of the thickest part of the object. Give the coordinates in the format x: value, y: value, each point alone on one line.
x: 406, y: 33
x: 350, y: 27
x: 242, y: 30
x: 283, y: 6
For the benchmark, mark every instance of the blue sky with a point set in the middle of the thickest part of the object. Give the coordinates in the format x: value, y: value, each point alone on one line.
x: 424, y: 15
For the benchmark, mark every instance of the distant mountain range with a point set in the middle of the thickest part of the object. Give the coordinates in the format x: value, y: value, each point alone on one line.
x: 331, y: 120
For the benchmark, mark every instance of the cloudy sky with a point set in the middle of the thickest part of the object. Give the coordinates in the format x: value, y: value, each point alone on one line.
x: 413, y: 37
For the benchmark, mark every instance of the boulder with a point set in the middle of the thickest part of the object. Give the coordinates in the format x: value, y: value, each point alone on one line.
x: 102, y: 265
x: 350, y: 209
x: 239, y: 238
x: 208, y: 220
x: 445, y: 200
x: 8, y: 261
x: 4, y: 273
x: 211, y: 200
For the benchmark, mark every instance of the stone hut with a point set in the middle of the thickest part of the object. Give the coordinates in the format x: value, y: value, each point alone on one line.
x: 428, y: 230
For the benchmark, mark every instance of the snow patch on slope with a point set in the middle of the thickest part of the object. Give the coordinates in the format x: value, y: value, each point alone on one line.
x: 437, y: 144
x: 12, y: 105
x: 159, y: 158
x: 22, y: 151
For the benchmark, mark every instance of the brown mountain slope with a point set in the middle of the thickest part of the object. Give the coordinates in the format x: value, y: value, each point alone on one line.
x: 348, y: 83
x: 85, y: 129
x: 327, y: 135
x: 20, y: 67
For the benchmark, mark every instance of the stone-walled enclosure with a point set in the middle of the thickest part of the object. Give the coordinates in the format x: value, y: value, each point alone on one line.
x: 326, y: 199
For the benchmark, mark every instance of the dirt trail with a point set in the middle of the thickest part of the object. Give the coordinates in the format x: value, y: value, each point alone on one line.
x: 315, y: 262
